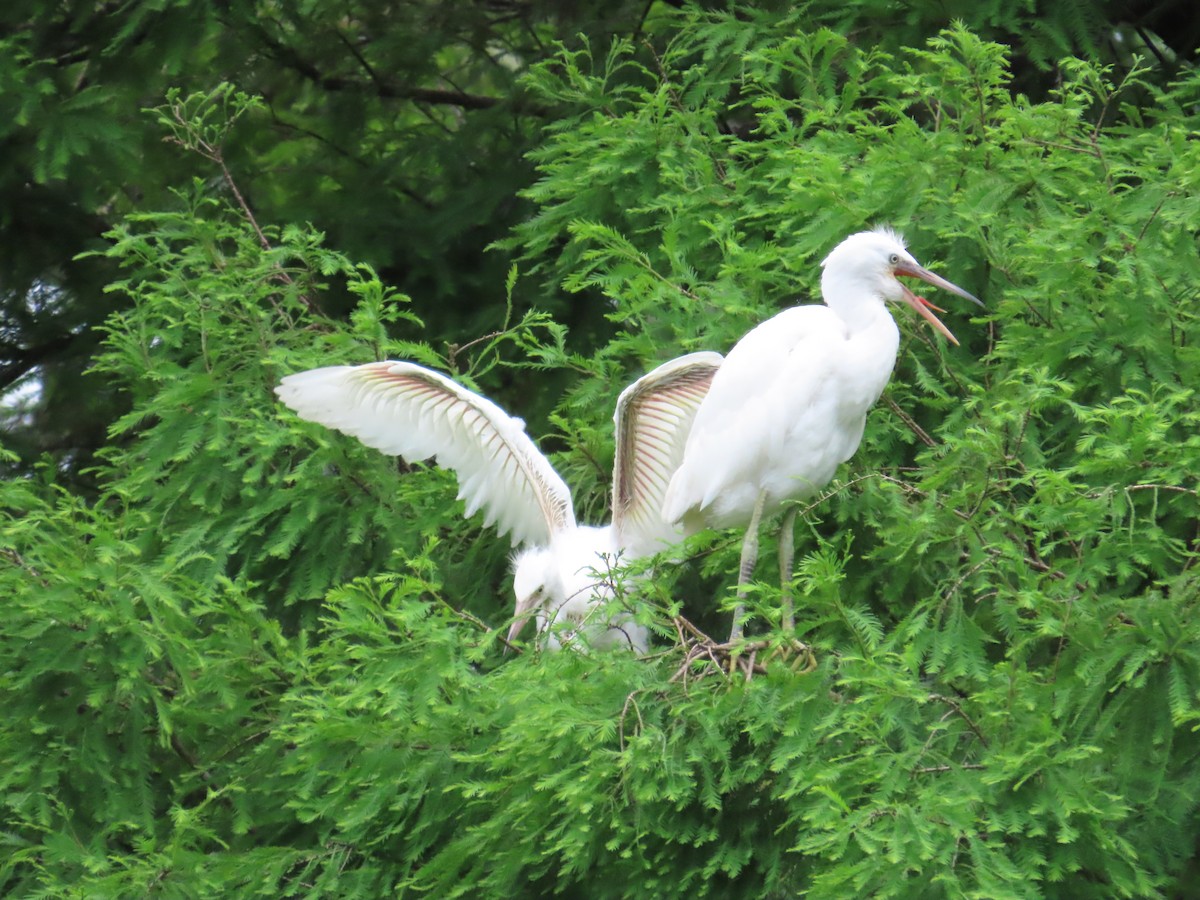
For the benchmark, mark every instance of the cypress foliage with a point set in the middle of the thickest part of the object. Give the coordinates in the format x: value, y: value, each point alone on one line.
x: 264, y: 663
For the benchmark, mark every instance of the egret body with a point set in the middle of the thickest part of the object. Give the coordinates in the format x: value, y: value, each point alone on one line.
x: 790, y: 402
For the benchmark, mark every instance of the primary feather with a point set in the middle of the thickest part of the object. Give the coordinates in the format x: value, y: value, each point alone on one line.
x: 407, y: 410
x: 653, y: 418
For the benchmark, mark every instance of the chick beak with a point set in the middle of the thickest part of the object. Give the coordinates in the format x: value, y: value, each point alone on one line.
x: 524, y: 612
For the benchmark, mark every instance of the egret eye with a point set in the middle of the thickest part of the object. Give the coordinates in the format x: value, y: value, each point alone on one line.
x: 894, y: 259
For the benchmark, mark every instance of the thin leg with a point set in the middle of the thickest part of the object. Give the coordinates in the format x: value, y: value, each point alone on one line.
x: 787, y: 554
x: 746, y: 567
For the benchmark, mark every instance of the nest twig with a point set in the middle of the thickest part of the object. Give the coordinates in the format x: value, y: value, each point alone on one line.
x: 745, y: 658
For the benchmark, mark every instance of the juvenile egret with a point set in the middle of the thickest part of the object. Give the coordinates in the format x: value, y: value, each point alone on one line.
x: 790, y: 402
x: 562, y: 572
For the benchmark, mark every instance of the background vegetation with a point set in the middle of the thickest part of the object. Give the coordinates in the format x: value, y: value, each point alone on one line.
x: 243, y: 656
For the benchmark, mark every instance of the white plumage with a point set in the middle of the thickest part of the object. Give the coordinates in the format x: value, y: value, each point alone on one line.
x: 789, y: 404
x: 404, y: 409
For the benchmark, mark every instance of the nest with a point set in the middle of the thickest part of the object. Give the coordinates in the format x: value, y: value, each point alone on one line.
x: 745, y: 657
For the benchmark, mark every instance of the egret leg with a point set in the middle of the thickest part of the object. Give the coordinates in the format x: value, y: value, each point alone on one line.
x: 746, y: 567
x: 787, y: 555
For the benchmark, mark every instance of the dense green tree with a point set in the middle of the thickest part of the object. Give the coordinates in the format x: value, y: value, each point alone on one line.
x: 263, y: 661
x: 398, y: 130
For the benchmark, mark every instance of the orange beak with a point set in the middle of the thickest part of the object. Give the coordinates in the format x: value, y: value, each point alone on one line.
x: 923, y: 307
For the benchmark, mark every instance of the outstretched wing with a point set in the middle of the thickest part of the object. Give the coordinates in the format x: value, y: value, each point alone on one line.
x: 653, y: 418
x: 410, y: 411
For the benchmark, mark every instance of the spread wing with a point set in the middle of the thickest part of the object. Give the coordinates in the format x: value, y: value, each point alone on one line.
x: 410, y: 411
x: 653, y: 418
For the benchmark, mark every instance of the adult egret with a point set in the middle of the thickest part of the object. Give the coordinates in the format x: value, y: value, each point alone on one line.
x: 562, y: 574
x: 790, y: 402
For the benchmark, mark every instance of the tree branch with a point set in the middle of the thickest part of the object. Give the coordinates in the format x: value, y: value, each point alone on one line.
x: 910, y: 422
x: 383, y: 88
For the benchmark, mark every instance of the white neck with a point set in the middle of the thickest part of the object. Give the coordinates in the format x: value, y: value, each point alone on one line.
x: 873, y: 336
x: 858, y: 301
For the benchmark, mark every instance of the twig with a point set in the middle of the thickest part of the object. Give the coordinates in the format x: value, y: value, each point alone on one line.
x: 16, y: 559
x: 186, y: 755
x: 953, y: 589
x: 953, y: 704
x: 1062, y: 641
x: 718, y: 165
x: 465, y: 616
x: 624, y: 711
x: 927, y: 770
x: 362, y: 60
x: 1167, y: 196
x: 387, y: 90
x: 214, y: 155
x: 730, y: 657
x: 455, y: 349
x: 1161, y: 487
x: 908, y: 420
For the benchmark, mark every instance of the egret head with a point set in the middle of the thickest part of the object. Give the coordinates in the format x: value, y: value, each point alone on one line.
x: 868, y: 263
x: 535, y: 579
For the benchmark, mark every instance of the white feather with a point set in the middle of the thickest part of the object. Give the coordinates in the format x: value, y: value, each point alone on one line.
x: 561, y: 578
x: 653, y: 417
x: 406, y: 410
x: 790, y: 403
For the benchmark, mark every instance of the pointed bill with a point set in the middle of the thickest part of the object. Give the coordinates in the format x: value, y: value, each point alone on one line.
x: 524, y: 613
x: 923, y: 307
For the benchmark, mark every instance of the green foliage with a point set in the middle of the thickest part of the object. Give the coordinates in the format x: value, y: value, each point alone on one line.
x: 132, y: 693
x: 216, y: 318
x: 263, y: 662
x: 398, y: 129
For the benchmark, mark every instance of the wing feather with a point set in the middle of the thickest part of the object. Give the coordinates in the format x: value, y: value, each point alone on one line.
x: 406, y: 410
x: 653, y: 418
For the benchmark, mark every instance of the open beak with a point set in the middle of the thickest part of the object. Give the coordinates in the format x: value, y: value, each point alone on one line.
x: 923, y: 307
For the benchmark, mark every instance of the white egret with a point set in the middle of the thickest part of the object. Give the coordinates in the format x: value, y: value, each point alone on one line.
x: 562, y: 575
x: 790, y: 402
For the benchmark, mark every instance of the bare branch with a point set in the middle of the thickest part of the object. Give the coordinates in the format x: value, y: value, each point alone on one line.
x: 908, y: 420
x: 953, y: 704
